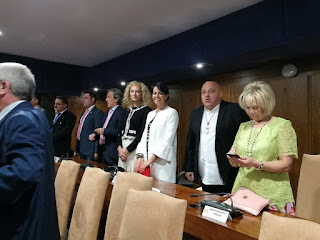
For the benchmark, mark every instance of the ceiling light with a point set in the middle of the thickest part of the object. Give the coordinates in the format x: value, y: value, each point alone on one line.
x: 123, y: 83
x: 199, y: 65
x: 1, y: 33
x: 96, y: 89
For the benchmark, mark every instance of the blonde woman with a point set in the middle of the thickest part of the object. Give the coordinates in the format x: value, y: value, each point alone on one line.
x: 267, y: 146
x: 136, y: 100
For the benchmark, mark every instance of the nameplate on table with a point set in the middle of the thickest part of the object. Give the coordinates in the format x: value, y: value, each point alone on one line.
x: 215, y: 214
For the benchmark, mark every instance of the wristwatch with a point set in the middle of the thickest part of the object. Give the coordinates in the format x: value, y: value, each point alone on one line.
x: 260, y: 166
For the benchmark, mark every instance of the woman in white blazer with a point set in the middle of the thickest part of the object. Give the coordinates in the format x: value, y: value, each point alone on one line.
x: 158, y: 145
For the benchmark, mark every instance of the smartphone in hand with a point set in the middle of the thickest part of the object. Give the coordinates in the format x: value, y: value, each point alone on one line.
x: 233, y: 155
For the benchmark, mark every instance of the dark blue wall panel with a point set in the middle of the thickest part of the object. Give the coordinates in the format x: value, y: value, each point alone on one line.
x: 257, y: 27
x: 302, y: 18
x: 51, y: 77
x: 271, y: 29
x: 178, y: 51
x: 249, y: 30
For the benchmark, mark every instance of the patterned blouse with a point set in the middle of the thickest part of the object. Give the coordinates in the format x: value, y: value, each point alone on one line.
x: 276, y: 139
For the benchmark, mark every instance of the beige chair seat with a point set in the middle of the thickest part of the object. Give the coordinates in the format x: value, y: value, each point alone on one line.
x: 124, y: 182
x: 284, y: 228
x: 64, y: 186
x: 88, y: 206
x: 152, y: 215
x: 308, y: 194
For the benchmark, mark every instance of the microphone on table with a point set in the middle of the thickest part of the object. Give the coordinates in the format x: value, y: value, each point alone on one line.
x: 205, y: 194
x: 216, y: 204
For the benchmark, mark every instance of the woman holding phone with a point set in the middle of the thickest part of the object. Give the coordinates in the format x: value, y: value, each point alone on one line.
x: 266, y: 146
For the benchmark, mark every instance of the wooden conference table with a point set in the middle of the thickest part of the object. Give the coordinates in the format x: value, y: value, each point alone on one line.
x: 246, y: 227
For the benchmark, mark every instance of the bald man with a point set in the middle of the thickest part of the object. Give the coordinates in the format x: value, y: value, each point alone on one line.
x: 212, y: 130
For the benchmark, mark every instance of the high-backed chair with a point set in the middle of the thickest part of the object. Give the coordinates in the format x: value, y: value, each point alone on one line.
x: 152, y: 215
x: 308, y: 194
x: 88, y: 206
x: 284, y: 228
x: 64, y: 186
x: 124, y: 182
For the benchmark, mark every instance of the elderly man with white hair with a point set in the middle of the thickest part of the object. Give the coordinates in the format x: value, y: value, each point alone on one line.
x: 27, y: 197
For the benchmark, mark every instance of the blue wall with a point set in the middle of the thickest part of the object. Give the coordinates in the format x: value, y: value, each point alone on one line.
x: 272, y: 29
x: 52, y: 77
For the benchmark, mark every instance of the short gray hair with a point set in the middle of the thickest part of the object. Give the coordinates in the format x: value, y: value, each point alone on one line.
x: 117, y: 94
x: 20, y: 78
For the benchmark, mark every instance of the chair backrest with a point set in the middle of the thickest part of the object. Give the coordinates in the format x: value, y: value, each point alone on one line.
x: 152, y: 215
x: 88, y: 206
x: 124, y: 182
x: 308, y: 195
x: 64, y: 186
x: 286, y: 228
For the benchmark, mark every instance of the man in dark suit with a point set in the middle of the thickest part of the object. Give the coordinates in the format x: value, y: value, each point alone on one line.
x: 61, y: 124
x: 90, y: 119
x: 212, y: 130
x: 27, y: 197
x: 107, y: 135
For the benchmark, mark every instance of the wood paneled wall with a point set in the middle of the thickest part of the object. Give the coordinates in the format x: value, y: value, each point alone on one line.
x: 297, y: 100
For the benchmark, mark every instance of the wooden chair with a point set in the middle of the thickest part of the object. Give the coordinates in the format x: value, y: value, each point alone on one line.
x: 124, y: 182
x: 285, y: 228
x: 152, y: 215
x: 64, y: 186
x: 308, y: 194
x: 88, y: 206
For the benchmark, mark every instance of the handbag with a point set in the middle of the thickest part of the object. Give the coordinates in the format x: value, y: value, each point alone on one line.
x: 248, y: 201
x: 146, y: 171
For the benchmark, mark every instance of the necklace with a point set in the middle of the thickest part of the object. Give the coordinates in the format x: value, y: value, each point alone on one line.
x: 130, y: 115
x: 249, y: 150
x: 206, y: 131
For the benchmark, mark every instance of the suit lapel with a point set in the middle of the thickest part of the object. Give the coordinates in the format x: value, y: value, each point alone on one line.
x: 114, y: 114
x: 61, y: 118
x: 220, y: 116
x: 88, y: 117
x: 198, y: 121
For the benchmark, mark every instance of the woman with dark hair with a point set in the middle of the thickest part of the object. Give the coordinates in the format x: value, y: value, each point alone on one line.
x: 136, y: 100
x: 158, y: 145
